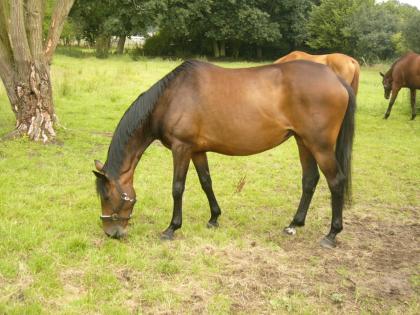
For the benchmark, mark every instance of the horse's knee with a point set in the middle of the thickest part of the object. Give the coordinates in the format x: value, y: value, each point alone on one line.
x: 178, y: 190
x: 309, y: 182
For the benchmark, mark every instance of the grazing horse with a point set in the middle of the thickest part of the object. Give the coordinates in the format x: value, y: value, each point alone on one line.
x: 405, y: 72
x: 345, y: 66
x: 200, y: 107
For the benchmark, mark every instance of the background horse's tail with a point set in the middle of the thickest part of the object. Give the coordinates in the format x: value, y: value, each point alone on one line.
x: 355, y: 82
x: 344, y: 145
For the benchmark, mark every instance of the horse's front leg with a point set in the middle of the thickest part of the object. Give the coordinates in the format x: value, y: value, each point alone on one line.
x: 181, y: 154
x: 394, y: 95
x: 202, y: 168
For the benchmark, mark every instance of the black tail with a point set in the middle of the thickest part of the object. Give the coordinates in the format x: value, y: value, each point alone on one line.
x: 344, y: 145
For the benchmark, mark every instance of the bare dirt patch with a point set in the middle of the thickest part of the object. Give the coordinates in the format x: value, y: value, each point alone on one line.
x: 72, y: 280
x: 370, y: 270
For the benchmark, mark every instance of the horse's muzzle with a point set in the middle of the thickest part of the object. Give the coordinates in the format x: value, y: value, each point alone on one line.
x: 116, y: 232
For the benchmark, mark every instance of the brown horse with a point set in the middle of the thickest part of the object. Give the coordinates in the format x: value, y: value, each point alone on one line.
x: 345, y: 66
x: 199, y: 107
x: 405, y: 72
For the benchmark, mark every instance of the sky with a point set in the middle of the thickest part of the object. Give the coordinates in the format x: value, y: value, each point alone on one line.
x: 412, y: 2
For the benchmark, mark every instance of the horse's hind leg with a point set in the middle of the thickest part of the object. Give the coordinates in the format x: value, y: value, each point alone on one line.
x: 202, y: 167
x: 310, y: 177
x: 336, y: 180
x: 413, y: 103
x: 181, y: 158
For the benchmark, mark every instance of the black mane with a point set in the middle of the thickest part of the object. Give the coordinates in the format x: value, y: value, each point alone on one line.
x: 134, y: 118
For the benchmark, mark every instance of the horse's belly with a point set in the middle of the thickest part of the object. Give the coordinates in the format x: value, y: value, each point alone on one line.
x: 242, y: 141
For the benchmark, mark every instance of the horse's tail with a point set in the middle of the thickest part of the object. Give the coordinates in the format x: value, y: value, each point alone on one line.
x: 355, y: 82
x: 344, y: 145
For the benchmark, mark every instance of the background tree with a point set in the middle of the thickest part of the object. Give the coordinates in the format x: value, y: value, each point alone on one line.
x: 24, y: 62
x: 368, y: 30
x: 411, y: 32
x: 372, y: 29
x: 219, y: 26
x: 101, y: 19
x: 291, y: 17
x: 328, y: 26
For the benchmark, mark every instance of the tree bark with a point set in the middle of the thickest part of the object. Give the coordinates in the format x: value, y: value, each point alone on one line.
x: 216, y: 51
x: 120, y: 45
x: 35, y: 111
x: 102, y: 46
x: 259, y: 53
x: 235, y: 49
x: 222, y: 48
x: 61, y: 10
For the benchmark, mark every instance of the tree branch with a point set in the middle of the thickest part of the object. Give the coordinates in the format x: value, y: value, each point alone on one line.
x: 18, y: 39
x: 4, y: 16
x: 34, y: 28
x: 59, y: 16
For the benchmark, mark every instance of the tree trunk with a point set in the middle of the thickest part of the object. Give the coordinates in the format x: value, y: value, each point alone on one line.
x: 259, y: 53
x: 102, y: 46
x: 216, y: 51
x: 33, y: 104
x: 222, y: 48
x: 120, y: 45
x: 235, y: 49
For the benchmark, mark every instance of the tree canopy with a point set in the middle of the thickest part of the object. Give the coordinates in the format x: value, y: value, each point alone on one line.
x: 363, y: 28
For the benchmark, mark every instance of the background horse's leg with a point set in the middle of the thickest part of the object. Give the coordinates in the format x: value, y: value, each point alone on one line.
x: 394, y: 95
x: 310, y: 177
x: 181, y: 157
x: 413, y: 103
x: 202, y: 167
x: 336, y: 180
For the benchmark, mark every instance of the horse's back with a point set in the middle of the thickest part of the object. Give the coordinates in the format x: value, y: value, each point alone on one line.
x: 406, y: 71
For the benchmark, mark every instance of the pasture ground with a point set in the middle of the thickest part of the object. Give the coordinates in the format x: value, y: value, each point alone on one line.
x: 54, y: 257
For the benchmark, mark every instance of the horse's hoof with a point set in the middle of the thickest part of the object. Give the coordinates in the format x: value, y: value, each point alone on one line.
x: 166, y: 237
x: 386, y: 116
x: 328, y: 243
x: 212, y: 225
x: 413, y: 117
x: 289, y: 230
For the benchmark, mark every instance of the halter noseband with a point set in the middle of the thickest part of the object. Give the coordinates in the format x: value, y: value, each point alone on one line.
x: 115, y: 210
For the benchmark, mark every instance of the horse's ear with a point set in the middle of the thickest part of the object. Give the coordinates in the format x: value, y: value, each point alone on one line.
x: 99, y: 165
x: 382, y: 75
x: 100, y: 175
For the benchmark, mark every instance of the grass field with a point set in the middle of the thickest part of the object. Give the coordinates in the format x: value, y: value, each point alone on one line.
x: 55, y: 258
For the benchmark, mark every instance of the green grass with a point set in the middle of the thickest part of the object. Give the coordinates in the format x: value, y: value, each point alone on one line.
x: 55, y: 258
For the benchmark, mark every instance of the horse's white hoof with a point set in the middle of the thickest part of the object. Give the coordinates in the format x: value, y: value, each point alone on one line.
x: 290, y: 230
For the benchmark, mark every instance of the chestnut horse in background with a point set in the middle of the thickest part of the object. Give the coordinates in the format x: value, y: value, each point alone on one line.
x: 200, y: 107
x: 345, y: 66
x: 405, y: 72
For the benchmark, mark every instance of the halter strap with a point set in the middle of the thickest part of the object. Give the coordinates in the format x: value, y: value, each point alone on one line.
x: 115, y: 211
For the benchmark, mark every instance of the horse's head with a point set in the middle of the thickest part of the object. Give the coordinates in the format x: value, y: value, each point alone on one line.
x: 387, y: 83
x: 117, y: 201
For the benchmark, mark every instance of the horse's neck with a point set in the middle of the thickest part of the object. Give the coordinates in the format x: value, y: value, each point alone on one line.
x: 134, y: 150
